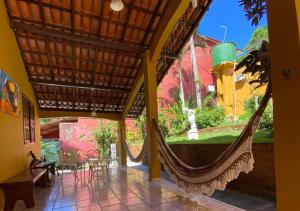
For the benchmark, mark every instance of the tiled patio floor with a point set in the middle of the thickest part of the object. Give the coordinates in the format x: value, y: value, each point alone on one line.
x: 127, y: 189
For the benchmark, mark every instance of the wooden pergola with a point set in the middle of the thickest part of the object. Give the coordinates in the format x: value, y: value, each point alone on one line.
x: 80, y: 56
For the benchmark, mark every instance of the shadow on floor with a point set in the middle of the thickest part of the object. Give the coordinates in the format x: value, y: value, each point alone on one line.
x: 240, y: 200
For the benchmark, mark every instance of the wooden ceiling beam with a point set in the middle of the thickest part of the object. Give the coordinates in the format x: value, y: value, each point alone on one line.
x: 66, y: 42
x: 83, y: 33
x: 76, y: 38
x: 47, y: 113
x: 37, y: 77
x: 69, y: 95
x: 77, y: 58
x: 107, y: 20
x: 77, y: 85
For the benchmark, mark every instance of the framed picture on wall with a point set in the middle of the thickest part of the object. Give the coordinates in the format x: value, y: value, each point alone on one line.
x: 9, y: 95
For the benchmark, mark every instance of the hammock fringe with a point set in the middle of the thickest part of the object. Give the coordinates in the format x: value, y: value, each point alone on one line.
x: 244, y: 164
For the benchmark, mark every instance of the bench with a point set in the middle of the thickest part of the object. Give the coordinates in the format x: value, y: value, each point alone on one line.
x: 20, y: 187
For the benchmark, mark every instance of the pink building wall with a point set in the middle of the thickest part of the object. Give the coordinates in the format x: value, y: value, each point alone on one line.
x: 170, y: 84
x: 82, y: 130
x: 78, y: 137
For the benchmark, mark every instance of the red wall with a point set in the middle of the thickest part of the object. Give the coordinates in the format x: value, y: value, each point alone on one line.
x: 170, y: 84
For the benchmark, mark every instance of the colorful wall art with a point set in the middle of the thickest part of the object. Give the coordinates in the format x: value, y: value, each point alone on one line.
x: 9, y: 95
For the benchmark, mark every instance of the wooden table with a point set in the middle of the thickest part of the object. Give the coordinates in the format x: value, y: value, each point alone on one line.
x: 20, y: 187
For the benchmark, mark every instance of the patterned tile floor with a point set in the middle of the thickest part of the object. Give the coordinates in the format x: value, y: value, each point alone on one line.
x: 126, y: 189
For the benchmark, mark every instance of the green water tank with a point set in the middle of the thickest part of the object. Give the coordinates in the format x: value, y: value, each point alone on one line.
x: 222, y: 52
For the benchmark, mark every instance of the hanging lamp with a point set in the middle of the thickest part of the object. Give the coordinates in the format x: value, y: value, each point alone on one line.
x: 116, y: 5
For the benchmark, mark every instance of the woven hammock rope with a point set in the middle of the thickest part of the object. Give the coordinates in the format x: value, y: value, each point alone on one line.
x: 206, y: 179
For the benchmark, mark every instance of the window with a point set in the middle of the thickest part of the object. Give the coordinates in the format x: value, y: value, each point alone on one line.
x: 28, y: 118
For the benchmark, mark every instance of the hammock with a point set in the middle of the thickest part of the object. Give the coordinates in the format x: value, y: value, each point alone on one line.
x: 140, y: 156
x: 206, y: 179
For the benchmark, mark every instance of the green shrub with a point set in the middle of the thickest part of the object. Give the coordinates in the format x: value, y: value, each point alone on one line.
x: 105, y: 136
x: 267, y: 118
x: 162, y: 122
x: 177, y: 119
x: 210, y: 117
x: 50, y: 150
x: 250, y: 108
x: 140, y: 122
x: 250, y: 105
x: 133, y: 136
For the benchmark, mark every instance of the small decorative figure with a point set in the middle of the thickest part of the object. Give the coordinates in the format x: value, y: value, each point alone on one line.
x: 34, y: 161
x: 191, y: 118
x: 193, y: 132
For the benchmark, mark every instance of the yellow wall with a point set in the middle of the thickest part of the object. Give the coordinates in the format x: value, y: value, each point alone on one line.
x: 225, y: 89
x: 14, y: 155
x: 246, y: 91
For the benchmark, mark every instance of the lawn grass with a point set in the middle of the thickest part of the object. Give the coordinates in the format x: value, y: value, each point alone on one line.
x: 221, y: 137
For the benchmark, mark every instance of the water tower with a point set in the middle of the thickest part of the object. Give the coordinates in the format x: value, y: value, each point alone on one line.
x: 223, y: 61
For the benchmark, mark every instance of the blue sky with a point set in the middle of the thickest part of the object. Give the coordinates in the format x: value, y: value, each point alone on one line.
x: 228, y: 13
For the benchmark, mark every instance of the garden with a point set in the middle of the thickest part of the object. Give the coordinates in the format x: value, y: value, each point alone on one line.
x: 213, y: 125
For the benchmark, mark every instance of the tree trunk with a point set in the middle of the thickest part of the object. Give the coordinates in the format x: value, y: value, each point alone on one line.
x: 181, y: 84
x: 196, y: 74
